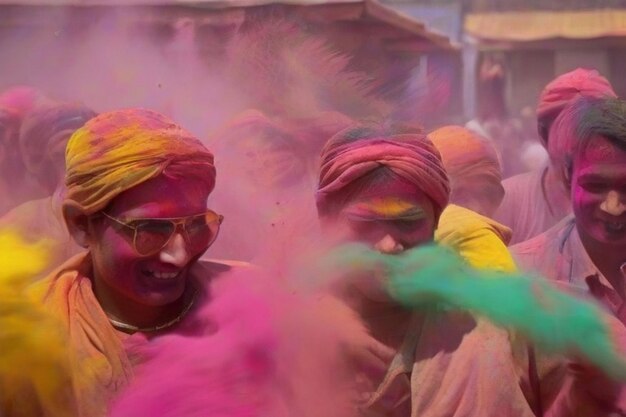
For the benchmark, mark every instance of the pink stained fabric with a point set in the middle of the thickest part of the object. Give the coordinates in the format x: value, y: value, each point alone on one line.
x: 413, y: 157
x: 567, y: 388
x: 563, y: 89
x: 103, y: 358
x: 533, y: 202
x: 271, y: 352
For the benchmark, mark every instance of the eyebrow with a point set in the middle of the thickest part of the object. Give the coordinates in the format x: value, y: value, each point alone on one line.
x: 413, y: 213
x: 594, y: 176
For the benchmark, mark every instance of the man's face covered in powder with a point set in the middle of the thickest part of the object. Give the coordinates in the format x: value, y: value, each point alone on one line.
x: 599, y: 192
x: 160, y: 278
x: 391, y: 216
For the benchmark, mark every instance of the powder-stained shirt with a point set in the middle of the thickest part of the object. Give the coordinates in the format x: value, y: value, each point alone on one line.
x: 531, y: 205
x: 450, y: 364
x: 558, y: 254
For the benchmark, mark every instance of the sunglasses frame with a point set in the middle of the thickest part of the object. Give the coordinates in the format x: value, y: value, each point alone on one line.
x: 176, y: 221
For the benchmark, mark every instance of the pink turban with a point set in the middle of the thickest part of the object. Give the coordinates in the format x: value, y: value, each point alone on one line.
x: 21, y: 100
x: 411, y: 156
x: 566, y: 87
x: 119, y: 150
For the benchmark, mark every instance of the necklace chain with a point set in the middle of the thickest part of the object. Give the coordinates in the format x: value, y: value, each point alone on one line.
x: 129, y: 327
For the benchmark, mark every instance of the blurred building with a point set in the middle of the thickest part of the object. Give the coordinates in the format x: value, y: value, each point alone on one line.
x: 397, y: 52
x: 537, y: 40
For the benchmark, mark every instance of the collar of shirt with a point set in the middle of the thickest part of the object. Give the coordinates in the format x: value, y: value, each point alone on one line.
x: 402, y: 363
x: 582, y: 270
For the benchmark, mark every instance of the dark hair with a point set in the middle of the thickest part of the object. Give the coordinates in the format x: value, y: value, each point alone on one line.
x: 582, y: 122
x: 606, y: 118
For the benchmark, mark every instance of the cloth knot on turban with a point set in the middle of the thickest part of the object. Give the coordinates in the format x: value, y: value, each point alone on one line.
x: 411, y: 156
x: 567, y: 87
x: 466, y: 154
x: 119, y: 150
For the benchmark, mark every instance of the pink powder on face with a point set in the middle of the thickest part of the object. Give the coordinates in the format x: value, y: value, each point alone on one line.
x: 598, y: 170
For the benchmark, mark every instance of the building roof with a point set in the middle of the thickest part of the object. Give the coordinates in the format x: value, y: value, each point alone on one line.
x: 399, y: 30
x: 530, y: 26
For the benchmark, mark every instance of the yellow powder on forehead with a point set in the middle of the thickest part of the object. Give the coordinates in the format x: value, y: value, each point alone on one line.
x: 389, y: 207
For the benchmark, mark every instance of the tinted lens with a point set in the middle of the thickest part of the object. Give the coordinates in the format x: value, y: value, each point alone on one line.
x: 202, y: 231
x: 152, y: 235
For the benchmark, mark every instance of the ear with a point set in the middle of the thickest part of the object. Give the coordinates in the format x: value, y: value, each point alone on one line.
x: 78, y: 224
x: 568, y: 171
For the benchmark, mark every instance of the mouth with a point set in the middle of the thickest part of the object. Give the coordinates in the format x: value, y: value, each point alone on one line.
x: 615, y: 227
x: 160, y: 275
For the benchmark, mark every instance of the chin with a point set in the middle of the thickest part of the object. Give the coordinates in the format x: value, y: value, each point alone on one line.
x: 608, y: 237
x: 159, y: 299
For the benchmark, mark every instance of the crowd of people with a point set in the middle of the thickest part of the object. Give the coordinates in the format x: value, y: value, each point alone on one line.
x: 377, y: 269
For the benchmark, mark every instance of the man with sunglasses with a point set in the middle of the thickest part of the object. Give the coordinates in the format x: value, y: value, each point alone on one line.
x: 137, y: 190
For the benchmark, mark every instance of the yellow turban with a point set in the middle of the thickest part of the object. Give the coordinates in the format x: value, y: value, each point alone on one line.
x: 119, y: 150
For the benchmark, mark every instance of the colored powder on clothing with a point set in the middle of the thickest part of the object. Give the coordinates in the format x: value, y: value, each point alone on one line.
x: 20, y: 259
x: 33, y: 356
x: 267, y: 352
x: 550, y: 318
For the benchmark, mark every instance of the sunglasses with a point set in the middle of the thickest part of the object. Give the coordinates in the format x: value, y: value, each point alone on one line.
x: 151, y: 235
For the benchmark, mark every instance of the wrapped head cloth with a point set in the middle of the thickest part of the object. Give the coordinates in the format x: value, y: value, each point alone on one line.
x: 412, y: 156
x: 119, y: 150
x: 466, y: 154
x: 566, y: 88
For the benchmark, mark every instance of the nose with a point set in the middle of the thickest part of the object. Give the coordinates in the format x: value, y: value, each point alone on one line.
x: 613, y: 204
x: 388, y: 245
x: 175, y: 252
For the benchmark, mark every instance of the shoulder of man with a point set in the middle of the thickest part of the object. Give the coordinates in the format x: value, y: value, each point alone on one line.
x: 540, y: 253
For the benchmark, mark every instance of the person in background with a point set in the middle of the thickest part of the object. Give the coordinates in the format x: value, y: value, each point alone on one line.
x: 588, y: 248
x: 11, y: 167
x: 42, y: 140
x: 586, y: 251
x: 537, y: 200
x: 388, y: 189
x: 16, y: 186
x: 472, y: 165
x: 493, y: 119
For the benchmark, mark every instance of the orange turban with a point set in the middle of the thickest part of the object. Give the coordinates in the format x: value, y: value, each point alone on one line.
x: 567, y: 87
x: 119, y: 150
x: 466, y: 154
